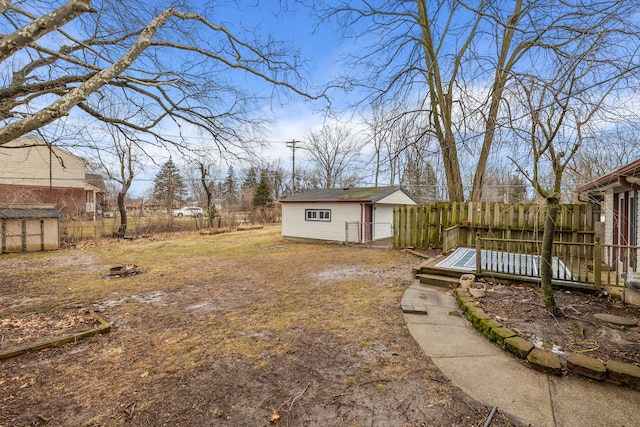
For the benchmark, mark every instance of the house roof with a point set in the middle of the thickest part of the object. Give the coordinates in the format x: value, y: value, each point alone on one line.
x: 34, y: 141
x: 19, y: 213
x: 96, y: 180
x: 366, y: 195
x: 629, y: 170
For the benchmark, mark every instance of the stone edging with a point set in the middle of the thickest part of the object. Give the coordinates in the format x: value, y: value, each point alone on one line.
x: 545, y: 361
x: 104, y: 328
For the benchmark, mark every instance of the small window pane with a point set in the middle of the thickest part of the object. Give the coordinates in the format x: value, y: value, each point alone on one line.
x: 318, y: 214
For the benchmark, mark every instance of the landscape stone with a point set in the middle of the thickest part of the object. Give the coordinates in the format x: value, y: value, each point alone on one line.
x: 615, y: 320
x: 477, y: 315
x: 466, y: 280
x: 545, y: 361
x: 487, y: 326
x: 587, y: 366
x: 518, y: 346
x: 501, y: 334
x: 624, y: 373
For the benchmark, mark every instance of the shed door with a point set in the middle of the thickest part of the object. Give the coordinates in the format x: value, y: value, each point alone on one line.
x: 368, y: 223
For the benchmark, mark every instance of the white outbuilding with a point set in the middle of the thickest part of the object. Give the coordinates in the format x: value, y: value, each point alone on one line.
x: 351, y: 215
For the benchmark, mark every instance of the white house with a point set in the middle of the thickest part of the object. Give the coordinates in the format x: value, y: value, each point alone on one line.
x: 343, y: 214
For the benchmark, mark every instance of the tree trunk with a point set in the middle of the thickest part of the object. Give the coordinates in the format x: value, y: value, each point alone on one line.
x: 546, y: 271
x: 499, y: 82
x: 452, y: 170
x: 123, y: 214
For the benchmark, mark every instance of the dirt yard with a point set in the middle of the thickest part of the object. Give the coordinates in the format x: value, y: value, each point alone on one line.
x: 521, y: 309
x: 238, y: 329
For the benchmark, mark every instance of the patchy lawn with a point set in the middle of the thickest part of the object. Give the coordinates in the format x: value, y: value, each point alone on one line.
x: 238, y: 329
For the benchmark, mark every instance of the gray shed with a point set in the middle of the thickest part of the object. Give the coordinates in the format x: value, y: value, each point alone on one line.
x: 28, y: 228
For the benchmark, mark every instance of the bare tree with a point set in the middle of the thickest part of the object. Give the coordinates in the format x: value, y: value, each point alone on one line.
x: 379, y: 138
x: 112, y: 55
x: 207, y: 174
x: 560, y: 112
x: 334, y: 150
x: 457, y: 57
x: 119, y: 162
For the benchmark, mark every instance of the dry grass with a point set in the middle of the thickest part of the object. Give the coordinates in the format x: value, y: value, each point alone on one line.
x: 223, y: 330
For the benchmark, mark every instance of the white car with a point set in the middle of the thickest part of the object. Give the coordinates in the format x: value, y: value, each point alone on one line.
x: 188, y: 211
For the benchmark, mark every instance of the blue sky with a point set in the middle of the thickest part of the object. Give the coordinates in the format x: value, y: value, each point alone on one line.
x: 292, y: 117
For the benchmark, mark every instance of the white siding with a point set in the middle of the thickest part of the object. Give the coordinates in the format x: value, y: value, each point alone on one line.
x: 32, y: 165
x: 383, y: 219
x: 397, y: 198
x: 295, y: 225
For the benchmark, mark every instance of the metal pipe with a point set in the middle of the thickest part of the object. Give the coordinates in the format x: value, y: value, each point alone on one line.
x: 491, y: 415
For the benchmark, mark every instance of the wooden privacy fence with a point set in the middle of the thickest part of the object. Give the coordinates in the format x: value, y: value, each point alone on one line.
x: 449, y: 225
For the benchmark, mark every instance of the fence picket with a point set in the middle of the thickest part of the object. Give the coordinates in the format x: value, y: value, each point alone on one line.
x: 423, y: 225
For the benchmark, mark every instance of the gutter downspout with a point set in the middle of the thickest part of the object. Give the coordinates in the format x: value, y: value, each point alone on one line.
x: 622, y: 180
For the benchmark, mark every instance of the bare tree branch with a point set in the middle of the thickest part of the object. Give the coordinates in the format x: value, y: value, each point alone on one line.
x: 41, y: 26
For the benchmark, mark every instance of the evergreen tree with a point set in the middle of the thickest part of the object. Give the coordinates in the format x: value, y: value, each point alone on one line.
x: 250, y: 179
x: 230, y: 188
x: 430, y: 183
x: 262, y: 195
x: 517, y: 189
x: 420, y: 179
x: 248, y: 188
x: 168, y: 185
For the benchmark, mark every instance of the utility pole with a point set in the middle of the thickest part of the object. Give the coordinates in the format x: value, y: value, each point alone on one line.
x: 292, y: 144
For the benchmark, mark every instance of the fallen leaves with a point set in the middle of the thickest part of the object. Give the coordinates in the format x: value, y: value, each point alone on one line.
x: 20, y: 329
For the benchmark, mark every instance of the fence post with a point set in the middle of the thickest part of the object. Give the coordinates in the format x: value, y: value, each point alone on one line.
x: 478, y: 252
x: 396, y: 227
x: 346, y: 232
x: 597, y: 265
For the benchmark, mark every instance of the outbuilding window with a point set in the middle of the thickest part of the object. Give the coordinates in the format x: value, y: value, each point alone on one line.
x: 317, y: 214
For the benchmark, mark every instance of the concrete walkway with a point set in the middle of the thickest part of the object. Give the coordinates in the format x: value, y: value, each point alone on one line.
x: 495, y: 377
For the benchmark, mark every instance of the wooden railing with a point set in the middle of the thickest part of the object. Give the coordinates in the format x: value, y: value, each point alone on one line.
x: 578, y: 263
x: 618, y: 259
x: 592, y: 264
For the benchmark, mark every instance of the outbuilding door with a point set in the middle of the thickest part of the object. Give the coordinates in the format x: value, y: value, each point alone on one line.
x: 22, y: 235
x: 367, y: 224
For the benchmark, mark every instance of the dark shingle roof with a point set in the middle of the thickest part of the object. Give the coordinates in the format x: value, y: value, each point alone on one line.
x: 19, y: 213
x: 368, y: 194
x: 630, y: 169
x: 96, y: 180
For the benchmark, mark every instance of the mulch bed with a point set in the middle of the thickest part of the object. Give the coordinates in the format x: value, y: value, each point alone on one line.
x: 40, y: 327
x: 521, y: 308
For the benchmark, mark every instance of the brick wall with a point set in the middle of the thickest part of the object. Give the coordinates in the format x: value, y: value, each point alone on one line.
x: 70, y: 201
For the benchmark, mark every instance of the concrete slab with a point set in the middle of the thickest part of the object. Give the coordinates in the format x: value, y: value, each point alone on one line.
x: 451, y: 341
x: 580, y: 402
x: 496, y: 378
x: 503, y: 382
x: 429, y: 296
